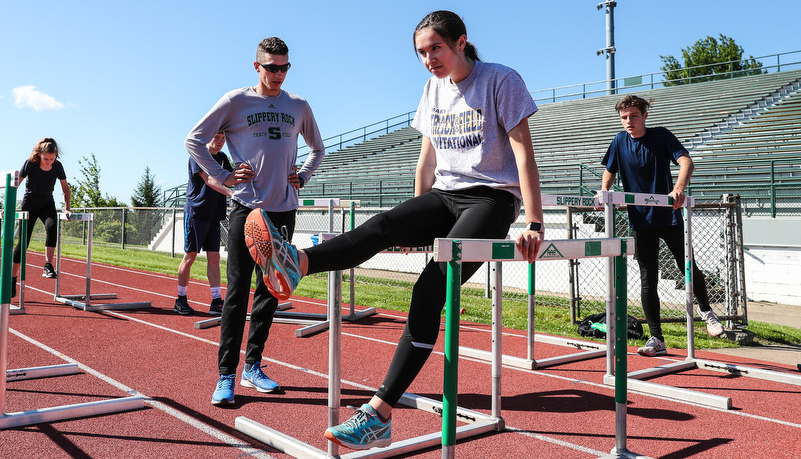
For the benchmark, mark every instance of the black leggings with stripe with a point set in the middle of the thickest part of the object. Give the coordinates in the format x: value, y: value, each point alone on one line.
x: 476, y: 213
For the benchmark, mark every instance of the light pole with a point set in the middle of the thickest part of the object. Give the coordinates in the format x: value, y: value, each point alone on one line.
x: 610, y: 45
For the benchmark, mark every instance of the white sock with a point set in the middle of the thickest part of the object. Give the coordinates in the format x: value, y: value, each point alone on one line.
x: 216, y: 292
x: 182, y: 290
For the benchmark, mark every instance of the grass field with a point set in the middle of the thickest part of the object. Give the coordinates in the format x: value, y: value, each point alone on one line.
x: 549, y: 320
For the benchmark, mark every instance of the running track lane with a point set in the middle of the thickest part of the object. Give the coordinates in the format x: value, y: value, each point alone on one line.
x: 560, y: 412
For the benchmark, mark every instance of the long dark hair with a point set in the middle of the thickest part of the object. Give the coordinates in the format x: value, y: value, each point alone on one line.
x: 450, y: 27
x: 46, y: 145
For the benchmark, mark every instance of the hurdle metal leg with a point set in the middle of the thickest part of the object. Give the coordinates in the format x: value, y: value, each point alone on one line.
x: 22, y: 218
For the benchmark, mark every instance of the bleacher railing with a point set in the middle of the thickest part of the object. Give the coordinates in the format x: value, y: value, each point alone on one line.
x: 792, y: 61
x: 362, y: 134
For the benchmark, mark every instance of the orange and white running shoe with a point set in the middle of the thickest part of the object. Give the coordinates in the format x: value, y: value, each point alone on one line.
x: 277, y: 258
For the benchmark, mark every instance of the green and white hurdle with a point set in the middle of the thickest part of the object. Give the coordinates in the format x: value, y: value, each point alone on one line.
x: 590, y: 350
x: 84, y: 301
x: 476, y: 423
x: 53, y: 414
x: 455, y: 252
x: 611, y: 199
x: 22, y: 217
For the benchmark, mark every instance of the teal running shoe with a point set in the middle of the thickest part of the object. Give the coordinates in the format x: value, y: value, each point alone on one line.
x: 277, y: 258
x: 364, y: 430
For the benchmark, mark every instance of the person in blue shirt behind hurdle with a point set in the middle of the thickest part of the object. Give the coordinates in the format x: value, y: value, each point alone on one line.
x: 476, y: 167
x: 642, y: 156
x: 204, y: 209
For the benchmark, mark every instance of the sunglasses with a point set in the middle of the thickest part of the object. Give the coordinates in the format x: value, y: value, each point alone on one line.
x: 272, y: 68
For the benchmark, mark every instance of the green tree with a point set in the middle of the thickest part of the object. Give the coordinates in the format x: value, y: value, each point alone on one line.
x: 147, y: 193
x: 86, y: 192
x: 709, y: 59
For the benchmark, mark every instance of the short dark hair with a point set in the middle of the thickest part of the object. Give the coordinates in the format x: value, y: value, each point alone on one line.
x: 272, y: 45
x: 633, y: 101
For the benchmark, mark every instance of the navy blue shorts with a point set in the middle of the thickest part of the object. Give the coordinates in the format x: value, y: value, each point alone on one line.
x: 201, y: 235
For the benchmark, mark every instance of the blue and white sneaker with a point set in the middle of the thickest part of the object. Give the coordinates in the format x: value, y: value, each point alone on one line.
x: 253, y: 377
x: 364, y: 430
x: 224, y: 392
x: 277, y: 258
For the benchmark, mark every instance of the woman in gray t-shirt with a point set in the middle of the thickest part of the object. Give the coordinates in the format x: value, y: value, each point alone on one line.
x: 476, y: 165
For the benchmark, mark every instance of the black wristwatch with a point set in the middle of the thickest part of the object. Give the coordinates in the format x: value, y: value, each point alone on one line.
x: 533, y: 226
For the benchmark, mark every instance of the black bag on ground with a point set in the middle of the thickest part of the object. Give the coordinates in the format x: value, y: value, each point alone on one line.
x: 634, y: 327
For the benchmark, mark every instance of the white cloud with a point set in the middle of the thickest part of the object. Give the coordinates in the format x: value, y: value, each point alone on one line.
x: 29, y: 96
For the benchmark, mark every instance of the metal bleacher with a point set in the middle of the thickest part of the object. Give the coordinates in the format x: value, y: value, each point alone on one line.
x: 731, y: 127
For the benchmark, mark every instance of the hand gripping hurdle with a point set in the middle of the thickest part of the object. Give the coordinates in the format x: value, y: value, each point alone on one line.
x: 84, y: 301
x: 610, y: 199
x: 24, y: 418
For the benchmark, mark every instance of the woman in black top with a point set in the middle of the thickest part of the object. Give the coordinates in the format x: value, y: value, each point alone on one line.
x: 42, y: 170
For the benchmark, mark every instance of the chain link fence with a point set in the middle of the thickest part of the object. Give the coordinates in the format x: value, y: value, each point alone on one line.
x: 578, y: 285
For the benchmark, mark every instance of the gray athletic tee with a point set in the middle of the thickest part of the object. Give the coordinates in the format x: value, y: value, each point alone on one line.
x: 468, y: 124
x: 261, y: 131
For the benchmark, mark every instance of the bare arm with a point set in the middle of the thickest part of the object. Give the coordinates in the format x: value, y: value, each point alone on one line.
x: 65, y: 188
x: 520, y: 137
x: 426, y: 164
x: 686, y: 168
x: 215, y: 185
x: 607, y: 181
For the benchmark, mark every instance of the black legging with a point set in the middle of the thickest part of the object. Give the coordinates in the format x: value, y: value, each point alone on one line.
x: 646, y: 251
x: 45, y: 213
x: 476, y: 213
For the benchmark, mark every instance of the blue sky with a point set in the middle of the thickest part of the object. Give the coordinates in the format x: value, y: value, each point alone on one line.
x: 127, y: 81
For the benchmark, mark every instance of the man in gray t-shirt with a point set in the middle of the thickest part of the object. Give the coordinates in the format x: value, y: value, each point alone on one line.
x: 261, y: 126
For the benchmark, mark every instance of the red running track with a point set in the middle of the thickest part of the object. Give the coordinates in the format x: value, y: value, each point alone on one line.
x: 559, y: 412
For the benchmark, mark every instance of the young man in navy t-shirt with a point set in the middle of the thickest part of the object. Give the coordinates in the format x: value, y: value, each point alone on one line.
x: 643, y: 156
x: 205, y: 208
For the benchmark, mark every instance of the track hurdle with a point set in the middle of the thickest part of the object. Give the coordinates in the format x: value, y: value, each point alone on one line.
x: 590, y: 350
x: 455, y: 252
x: 635, y: 379
x: 36, y: 416
x: 476, y: 423
x: 22, y: 218
x: 85, y: 301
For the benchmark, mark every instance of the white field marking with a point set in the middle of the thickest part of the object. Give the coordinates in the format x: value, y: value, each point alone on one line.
x: 205, y: 428
x: 535, y: 372
x: 143, y: 273
x: 556, y: 441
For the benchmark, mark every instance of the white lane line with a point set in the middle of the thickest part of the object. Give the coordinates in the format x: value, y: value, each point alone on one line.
x: 205, y: 428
